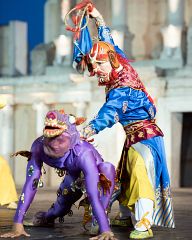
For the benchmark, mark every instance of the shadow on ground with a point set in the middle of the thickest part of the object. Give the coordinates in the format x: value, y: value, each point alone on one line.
x: 72, y: 227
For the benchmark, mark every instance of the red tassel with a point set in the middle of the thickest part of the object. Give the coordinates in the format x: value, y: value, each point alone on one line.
x: 77, y: 34
x: 75, y: 19
x: 71, y: 29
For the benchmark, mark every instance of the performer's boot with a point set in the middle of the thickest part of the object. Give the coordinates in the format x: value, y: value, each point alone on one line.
x: 123, y: 219
x: 143, y: 215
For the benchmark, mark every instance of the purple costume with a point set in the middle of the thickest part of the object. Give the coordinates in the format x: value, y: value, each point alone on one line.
x: 62, y: 148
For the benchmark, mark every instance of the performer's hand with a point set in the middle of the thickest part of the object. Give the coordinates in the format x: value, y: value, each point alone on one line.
x: 18, y: 230
x: 85, y: 3
x: 94, y: 13
x: 104, y: 236
x: 86, y: 132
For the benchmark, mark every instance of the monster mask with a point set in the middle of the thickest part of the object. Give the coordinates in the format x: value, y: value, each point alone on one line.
x: 60, y: 133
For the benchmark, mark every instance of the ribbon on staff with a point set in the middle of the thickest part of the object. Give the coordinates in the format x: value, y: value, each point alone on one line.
x: 82, y: 39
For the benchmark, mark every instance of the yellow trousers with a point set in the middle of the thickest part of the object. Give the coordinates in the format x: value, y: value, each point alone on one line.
x: 134, y: 178
x: 8, y: 192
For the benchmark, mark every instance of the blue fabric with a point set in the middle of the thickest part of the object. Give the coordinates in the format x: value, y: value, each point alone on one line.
x: 83, y: 45
x: 156, y: 146
x: 138, y: 108
x: 104, y: 34
x: 163, y: 214
x: 128, y: 105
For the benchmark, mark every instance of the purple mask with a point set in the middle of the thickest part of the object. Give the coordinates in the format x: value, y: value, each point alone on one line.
x: 60, y: 133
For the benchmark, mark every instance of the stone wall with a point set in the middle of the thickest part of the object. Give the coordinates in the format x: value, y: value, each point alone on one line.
x: 13, y: 49
x: 145, y: 20
x: 31, y: 96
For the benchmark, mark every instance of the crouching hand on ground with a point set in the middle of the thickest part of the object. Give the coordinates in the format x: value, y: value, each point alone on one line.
x: 18, y: 230
x: 104, y: 236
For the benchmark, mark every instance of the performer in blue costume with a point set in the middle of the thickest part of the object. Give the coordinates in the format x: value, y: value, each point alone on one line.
x: 142, y: 169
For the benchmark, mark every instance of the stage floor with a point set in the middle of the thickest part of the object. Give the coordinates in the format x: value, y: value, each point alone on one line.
x: 72, y: 227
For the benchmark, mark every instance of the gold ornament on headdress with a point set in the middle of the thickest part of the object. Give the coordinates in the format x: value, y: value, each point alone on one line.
x: 113, y: 59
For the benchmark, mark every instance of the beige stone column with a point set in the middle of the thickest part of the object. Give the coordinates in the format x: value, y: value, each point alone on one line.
x: 55, y: 11
x: 172, y: 56
x: 121, y: 34
x: 80, y: 108
x: 41, y: 110
x: 189, y: 44
x: 52, y: 20
x: 64, y: 40
x: 80, y: 111
x: 7, y: 133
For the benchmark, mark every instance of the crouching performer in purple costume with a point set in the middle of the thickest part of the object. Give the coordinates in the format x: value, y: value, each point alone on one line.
x: 61, y: 147
x: 142, y: 169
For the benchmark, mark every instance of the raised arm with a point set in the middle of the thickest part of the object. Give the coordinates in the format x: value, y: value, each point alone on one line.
x: 104, y: 33
x: 108, y: 115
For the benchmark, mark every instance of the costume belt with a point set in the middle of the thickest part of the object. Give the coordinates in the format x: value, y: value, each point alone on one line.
x: 141, y: 130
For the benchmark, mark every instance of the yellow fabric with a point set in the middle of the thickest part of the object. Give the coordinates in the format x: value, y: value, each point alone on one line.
x: 8, y: 192
x: 138, y: 184
x: 2, y: 101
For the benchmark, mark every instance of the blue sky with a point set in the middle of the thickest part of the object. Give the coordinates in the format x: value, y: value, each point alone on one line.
x: 30, y: 11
